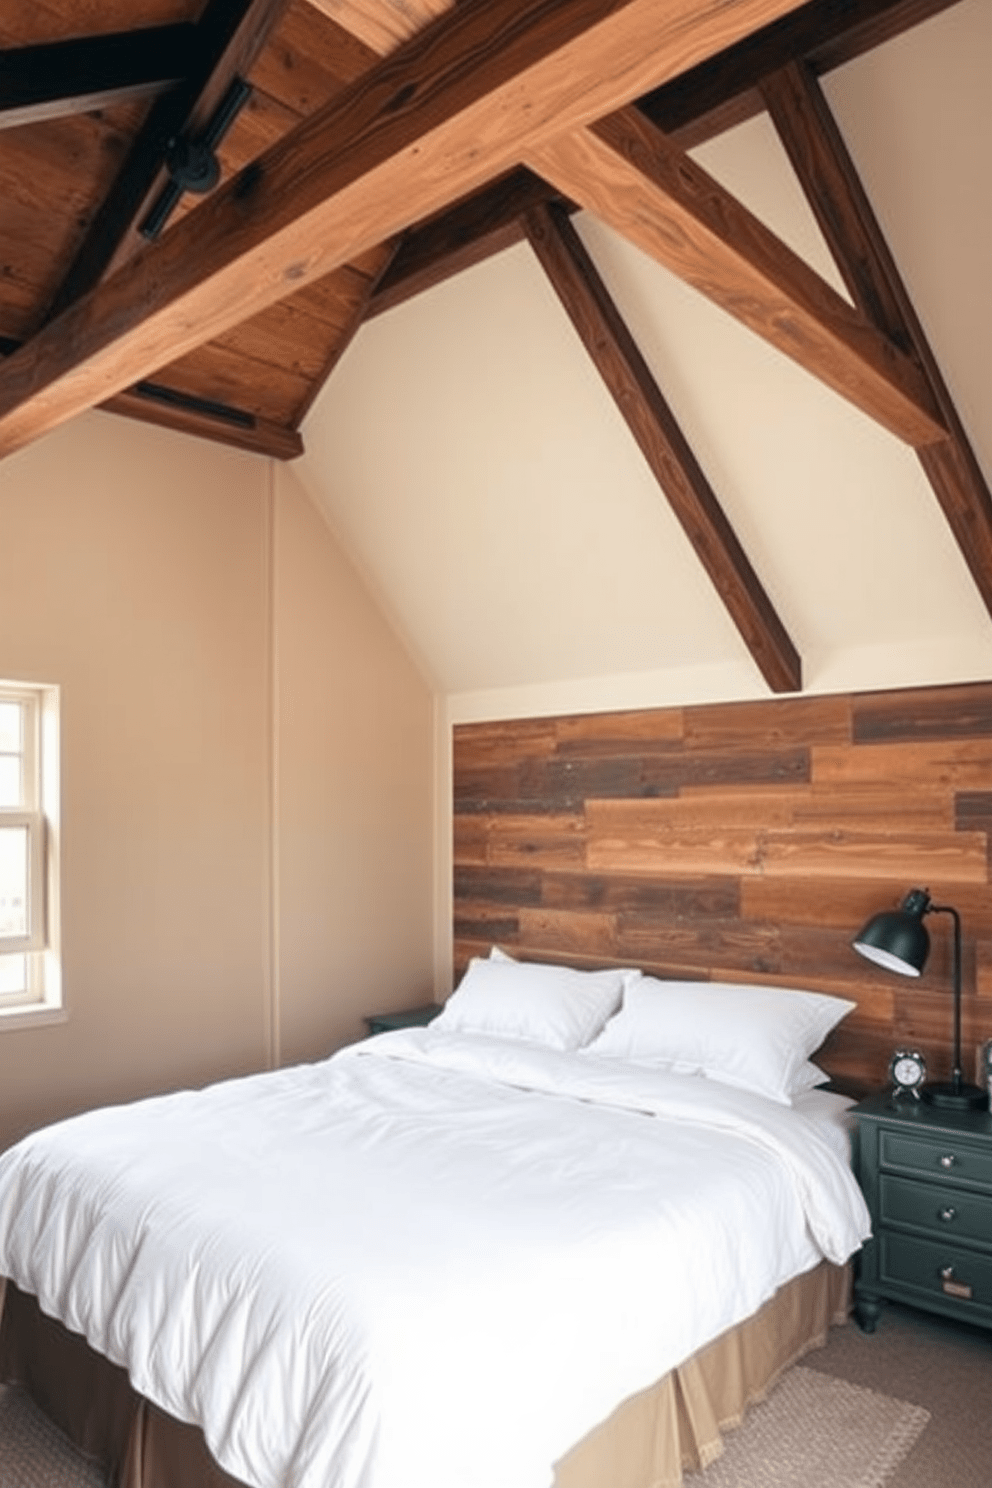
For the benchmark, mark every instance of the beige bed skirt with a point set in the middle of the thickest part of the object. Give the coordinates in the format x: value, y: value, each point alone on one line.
x: 646, y: 1443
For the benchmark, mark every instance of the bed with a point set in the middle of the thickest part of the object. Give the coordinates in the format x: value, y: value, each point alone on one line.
x: 520, y: 1246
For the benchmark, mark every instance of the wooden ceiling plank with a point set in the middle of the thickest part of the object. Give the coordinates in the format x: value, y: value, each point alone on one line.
x: 830, y: 180
x: 347, y: 333
x: 691, y: 108
x: 453, y: 108
x: 383, y: 24
x: 229, y: 36
x: 76, y: 76
x: 637, y: 395
x: 629, y: 174
x: 257, y: 435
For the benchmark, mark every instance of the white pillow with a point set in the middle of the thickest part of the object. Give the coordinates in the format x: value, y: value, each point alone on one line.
x: 756, y: 1038
x: 551, y: 1005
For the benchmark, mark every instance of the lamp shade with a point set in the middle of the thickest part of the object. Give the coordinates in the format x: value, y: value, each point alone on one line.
x: 897, y: 938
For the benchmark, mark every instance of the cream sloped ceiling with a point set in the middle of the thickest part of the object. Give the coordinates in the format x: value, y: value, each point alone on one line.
x: 474, y: 466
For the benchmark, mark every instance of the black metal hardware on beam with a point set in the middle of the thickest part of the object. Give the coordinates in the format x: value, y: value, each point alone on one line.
x: 193, y: 164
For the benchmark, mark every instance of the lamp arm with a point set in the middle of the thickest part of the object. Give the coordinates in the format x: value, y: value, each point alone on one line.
x: 956, y: 982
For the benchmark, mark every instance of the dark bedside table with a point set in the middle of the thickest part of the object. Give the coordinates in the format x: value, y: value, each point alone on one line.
x: 405, y: 1018
x: 927, y: 1177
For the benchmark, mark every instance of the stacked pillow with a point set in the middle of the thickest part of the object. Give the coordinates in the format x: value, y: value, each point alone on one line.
x: 755, y: 1038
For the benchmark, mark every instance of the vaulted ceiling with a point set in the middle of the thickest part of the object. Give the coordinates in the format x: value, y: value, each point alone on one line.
x: 367, y: 151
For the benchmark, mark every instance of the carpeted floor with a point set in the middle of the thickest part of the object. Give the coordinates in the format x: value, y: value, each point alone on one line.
x: 945, y: 1367
x: 921, y: 1362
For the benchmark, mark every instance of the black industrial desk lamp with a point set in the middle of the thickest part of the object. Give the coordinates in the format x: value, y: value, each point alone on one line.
x: 897, y: 939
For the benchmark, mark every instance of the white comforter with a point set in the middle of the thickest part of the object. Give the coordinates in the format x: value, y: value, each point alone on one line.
x: 433, y: 1261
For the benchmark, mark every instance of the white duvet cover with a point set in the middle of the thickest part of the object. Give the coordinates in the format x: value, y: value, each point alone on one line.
x: 432, y: 1261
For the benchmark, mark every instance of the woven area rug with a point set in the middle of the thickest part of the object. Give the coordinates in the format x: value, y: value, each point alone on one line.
x: 33, y: 1454
x: 814, y: 1431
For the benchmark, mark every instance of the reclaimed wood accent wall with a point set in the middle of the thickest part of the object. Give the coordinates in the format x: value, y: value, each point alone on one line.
x: 742, y: 842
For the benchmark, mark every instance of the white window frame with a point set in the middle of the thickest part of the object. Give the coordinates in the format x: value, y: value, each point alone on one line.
x: 41, y: 1001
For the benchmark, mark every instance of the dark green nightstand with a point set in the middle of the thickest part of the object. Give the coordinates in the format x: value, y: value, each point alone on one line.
x: 926, y: 1174
x: 405, y: 1018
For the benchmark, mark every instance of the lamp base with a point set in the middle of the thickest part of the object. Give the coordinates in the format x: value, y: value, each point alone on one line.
x: 950, y: 1097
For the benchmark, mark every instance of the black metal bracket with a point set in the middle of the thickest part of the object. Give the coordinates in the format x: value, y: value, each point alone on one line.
x: 193, y: 164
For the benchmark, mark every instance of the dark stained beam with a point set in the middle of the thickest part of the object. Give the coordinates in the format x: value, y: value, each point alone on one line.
x: 227, y: 39
x: 626, y: 172
x: 152, y: 403
x: 90, y: 72
x: 725, y: 89
x: 628, y: 378
x: 691, y: 108
x: 828, y: 175
x: 454, y: 107
x: 463, y: 235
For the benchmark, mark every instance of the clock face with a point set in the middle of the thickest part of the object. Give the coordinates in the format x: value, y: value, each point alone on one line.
x: 908, y: 1069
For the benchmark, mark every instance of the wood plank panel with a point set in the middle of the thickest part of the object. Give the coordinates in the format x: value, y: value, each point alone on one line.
x: 959, y: 765
x: 768, y: 724
x: 955, y: 857
x: 744, y: 872
x: 963, y: 712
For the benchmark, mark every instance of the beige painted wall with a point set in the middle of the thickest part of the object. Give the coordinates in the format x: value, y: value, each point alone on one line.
x: 354, y: 804
x: 164, y: 584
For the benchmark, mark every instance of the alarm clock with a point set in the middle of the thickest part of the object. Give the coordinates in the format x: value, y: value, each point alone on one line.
x: 907, y: 1071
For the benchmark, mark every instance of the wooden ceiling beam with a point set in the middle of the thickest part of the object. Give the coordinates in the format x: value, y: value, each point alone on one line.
x: 465, y: 234
x: 227, y: 39
x: 630, y: 175
x: 725, y: 90
x: 637, y: 395
x: 690, y: 108
x: 459, y: 104
x: 830, y: 179
x: 151, y: 403
x: 59, y: 78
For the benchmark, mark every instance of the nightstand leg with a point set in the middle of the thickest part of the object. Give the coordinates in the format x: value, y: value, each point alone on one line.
x: 867, y: 1310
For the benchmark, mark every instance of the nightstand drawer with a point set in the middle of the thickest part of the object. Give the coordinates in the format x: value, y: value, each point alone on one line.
x: 959, y: 1161
x: 947, y: 1271
x: 954, y: 1213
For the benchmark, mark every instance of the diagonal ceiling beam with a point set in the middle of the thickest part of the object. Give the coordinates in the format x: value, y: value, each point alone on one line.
x: 460, y: 103
x: 725, y: 90
x: 690, y: 108
x: 833, y: 188
x: 640, y: 400
x: 227, y: 39
x: 628, y: 173
x: 90, y: 72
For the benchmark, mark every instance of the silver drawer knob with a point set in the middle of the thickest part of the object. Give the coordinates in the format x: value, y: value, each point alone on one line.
x: 947, y: 1272
x: 948, y: 1214
x: 948, y: 1160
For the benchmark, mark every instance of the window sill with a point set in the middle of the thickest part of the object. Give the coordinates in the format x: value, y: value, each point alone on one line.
x: 34, y: 1015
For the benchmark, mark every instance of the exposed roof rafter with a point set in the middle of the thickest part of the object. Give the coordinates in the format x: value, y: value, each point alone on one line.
x: 837, y: 198
x: 228, y: 37
x: 58, y: 78
x: 457, y: 105
x: 629, y: 174
x: 663, y: 444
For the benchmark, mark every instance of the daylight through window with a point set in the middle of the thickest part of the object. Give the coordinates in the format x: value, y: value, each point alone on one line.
x: 30, y: 972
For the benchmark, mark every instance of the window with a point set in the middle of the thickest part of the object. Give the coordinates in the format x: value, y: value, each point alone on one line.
x: 30, y: 970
